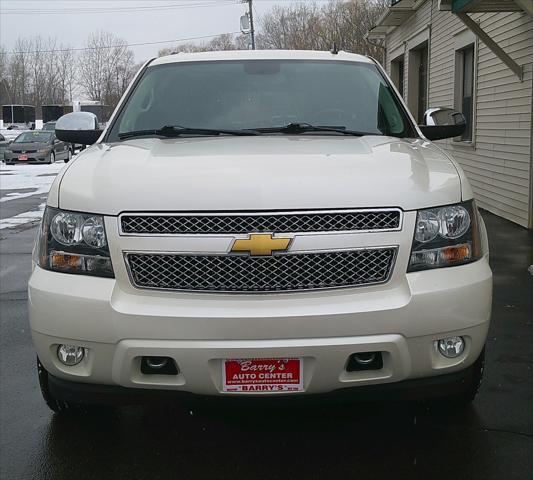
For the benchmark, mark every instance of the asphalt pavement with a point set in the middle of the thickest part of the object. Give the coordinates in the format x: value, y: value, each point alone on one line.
x: 492, y: 439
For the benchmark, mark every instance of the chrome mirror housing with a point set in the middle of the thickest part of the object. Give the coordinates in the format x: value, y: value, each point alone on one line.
x: 442, y: 122
x: 79, y: 128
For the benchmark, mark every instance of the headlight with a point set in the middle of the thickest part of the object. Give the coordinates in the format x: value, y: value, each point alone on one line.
x: 445, y: 236
x: 44, y: 150
x: 72, y: 242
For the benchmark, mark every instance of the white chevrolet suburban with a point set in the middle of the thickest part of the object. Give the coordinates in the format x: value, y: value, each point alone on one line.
x: 259, y: 224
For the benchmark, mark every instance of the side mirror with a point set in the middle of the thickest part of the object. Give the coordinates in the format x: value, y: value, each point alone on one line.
x: 441, y: 122
x: 78, y: 127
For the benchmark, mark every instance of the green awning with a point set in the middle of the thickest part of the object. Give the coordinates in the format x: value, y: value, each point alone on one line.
x: 471, y: 6
x: 458, y: 5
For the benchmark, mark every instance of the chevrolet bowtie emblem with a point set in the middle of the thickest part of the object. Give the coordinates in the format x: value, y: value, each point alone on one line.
x: 260, y: 244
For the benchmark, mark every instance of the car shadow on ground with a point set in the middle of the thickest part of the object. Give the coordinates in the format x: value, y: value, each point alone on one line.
x: 389, y: 440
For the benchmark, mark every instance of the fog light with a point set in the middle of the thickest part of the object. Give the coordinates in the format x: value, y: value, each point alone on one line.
x: 70, y: 355
x: 156, y: 362
x: 365, y: 358
x: 451, y: 347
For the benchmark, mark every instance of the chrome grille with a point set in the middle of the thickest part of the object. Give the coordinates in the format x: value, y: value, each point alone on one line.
x: 340, y: 220
x: 276, y: 273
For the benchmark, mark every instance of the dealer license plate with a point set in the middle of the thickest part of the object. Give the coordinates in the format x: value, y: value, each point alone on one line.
x: 262, y: 375
x: 23, y: 157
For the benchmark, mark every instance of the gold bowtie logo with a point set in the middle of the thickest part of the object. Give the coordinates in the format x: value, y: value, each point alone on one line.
x: 261, y: 244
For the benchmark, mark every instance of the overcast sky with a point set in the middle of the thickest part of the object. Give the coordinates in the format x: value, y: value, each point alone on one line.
x: 138, y: 21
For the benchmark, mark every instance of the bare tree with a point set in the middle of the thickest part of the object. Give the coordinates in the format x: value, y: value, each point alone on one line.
x: 226, y: 41
x: 67, y: 68
x: 311, y: 27
x: 106, y: 67
x: 18, y: 71
x: 37, y: 72
x: 4, y: 83
x: 306, y: 26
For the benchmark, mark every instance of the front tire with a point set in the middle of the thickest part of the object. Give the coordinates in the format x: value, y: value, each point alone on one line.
x: 69, y: 156
x: 52, y: 158
x: 470, y: 388
x: 60, y: 406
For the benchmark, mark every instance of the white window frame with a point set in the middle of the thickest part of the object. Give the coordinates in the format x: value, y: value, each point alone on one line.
x: 414, y: 43
x: 395, y: 72
x: 463, y: 40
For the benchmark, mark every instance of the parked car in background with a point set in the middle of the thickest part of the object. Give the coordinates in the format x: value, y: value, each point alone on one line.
x: 36, y: 147
x: 4, y: 142
x: 51, y: 127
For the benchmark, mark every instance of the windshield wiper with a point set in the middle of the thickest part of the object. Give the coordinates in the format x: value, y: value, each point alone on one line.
x: 172, y: 131
x: 297, y: 128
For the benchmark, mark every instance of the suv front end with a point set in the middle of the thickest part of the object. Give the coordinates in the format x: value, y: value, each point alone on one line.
x: 184, y: 265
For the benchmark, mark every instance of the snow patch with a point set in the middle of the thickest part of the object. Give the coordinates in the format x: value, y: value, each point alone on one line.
x: 22, y: 218
x: 36, y: 178
x: 30, y: 180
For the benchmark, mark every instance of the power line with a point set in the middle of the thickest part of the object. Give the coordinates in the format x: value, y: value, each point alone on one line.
x: 114, y: 46
x: 116, y: 9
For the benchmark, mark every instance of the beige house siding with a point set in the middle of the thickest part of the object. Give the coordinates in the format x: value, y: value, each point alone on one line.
x: 498, y: 161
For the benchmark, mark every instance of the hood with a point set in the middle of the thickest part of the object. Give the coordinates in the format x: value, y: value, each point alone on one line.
x: 29, y: 146
x: 259, y: 173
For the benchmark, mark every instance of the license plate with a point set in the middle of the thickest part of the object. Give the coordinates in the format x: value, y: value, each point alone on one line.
x: 23, y: 157
x: 262, y: 375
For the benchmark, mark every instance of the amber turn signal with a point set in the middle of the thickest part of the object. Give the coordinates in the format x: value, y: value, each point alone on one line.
x: 64, y: 261
x: 455, y: 254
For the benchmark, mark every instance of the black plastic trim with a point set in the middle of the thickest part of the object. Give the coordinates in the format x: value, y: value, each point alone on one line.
x: 414, y: 389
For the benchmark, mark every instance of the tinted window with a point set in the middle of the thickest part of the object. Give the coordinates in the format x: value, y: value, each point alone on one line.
x: 467, y: 104
x: 264, y: 93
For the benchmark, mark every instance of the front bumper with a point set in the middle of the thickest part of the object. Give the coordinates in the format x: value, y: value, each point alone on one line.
x: 447, y: 385
x: 403, y: 320
x: 32, y: 158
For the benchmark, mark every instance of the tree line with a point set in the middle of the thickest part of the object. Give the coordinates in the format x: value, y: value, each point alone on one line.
x: 41, y: 71
x: 306, y: 26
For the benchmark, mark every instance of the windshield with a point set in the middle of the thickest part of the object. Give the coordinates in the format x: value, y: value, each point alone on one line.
x: 34, y: 137
x: 251, y: 94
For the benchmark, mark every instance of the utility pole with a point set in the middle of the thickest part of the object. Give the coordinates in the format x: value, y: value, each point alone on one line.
x: 251, y: 17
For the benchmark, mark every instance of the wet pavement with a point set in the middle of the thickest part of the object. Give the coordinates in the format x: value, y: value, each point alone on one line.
x: 492, y: 439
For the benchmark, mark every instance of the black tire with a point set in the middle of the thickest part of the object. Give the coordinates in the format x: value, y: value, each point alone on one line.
x: 60, y: 406
x: 69, y: 156
x: 470, y: 388
x: 52, y: 158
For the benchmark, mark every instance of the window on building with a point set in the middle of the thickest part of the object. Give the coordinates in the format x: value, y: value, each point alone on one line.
x: 398, y: 73
x: 465, y: 87
x: 422, y: 82
x: 418, y: 81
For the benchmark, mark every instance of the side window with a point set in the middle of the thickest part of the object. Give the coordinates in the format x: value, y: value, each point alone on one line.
x: 390, y: 119
x: 464, y: 88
